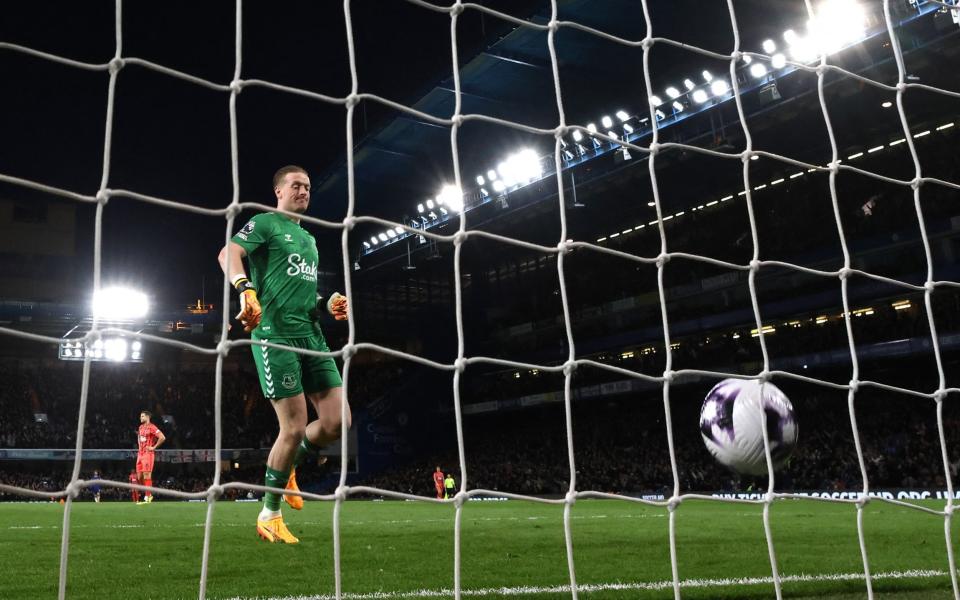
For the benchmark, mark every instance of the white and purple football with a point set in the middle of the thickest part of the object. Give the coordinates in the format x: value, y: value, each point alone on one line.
x: 731, y: 423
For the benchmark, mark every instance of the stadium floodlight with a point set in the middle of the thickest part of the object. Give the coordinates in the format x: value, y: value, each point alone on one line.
x: 790, y: 37
x: 492, y: 175
x: 444, y: 211
x: 366, y: 245
x: 506, y: 174
x: 119, y: 303
x: 887, y: 104
x: 655, y: 100
x: 115, y: 349
x: 660, y: 115
x: 700, y: 96
x: 452, y: 196
x: 627, y: 128
x: 689, y: 85
x: 622, y: 115
x: 525, y: 165
x: 719, y: 87
x: 837, y: 24
x: 592, y: 127
x: 374, y: 240
x: 432, y: 215
x: 430, y: 204
x: 769, y: 46
x: 480, y: 180
x: 398, y: 229
x: 391, y: 234
x: 613, y: 135
x: 606, y: 121
x: 577, y: 136
x: 707, y: 76
x: 778, y: 61
x: 673, y: 92
x: 758, y: 70
x: 382, y: 237
x: 420, y: 208
x: 498, y: 186
x: 677, y: 106
x: 803, y: 50
x: 747, y: 59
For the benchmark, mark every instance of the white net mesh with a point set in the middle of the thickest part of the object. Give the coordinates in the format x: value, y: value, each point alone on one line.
x: 835, y: 166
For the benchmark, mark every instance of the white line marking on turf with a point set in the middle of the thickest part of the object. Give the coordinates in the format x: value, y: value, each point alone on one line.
x: 602, y: 587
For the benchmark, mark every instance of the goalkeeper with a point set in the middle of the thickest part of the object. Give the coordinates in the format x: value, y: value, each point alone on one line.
x: 279, y: 304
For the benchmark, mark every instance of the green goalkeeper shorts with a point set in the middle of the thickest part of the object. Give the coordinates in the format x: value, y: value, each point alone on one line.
x: 284, y: 373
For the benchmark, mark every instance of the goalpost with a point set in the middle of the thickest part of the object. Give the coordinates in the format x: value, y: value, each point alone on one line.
x: 456, y: 367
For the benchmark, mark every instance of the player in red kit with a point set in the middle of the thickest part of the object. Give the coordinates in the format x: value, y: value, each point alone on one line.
x: 148, y: 439
x: 134, y: 494
x: 438, y: 483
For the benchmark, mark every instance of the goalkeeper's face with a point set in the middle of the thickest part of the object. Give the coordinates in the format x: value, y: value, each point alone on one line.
x: 294, y: 193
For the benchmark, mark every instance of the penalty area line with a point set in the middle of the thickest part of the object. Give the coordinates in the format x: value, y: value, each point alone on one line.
x: 602, y: 587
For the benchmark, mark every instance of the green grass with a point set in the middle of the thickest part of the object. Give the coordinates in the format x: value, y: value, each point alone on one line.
x: 153, y: 551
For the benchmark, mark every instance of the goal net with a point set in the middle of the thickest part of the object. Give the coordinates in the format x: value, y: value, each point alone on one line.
x: 810, y: 49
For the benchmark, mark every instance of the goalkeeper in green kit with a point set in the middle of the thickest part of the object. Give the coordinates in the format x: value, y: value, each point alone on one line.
x: 279, y: 304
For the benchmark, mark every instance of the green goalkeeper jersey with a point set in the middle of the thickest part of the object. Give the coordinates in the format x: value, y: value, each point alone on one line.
x: 283, y: 267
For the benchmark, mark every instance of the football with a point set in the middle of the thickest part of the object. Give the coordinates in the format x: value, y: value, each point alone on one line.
x: 731, y: 423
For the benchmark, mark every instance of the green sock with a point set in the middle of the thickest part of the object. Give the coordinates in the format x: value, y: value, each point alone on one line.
x: 304, y: 450
x: 278, y: 479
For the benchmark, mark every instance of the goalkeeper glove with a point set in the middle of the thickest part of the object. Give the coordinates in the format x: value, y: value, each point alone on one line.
x: 250, y: 311
x: 335, y: 305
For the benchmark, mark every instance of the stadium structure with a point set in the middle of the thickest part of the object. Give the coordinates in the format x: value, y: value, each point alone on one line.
x: 819, y: 259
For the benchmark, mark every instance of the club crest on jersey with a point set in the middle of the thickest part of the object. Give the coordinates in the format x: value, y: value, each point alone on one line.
x: 299, y: 266
x: 288, y: 381
x: 287, y: 237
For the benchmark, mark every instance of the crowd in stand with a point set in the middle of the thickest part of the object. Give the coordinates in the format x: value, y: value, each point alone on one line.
x: 181, y: 400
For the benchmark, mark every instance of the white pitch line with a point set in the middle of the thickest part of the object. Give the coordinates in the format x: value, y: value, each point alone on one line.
x: 602, y: 587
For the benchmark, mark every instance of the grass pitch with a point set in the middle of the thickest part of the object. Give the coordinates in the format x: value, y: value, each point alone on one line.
x: 510, y: 549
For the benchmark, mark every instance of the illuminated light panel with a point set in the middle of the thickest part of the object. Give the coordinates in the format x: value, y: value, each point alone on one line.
x: 895, y: 142
x: 901, y: 305
x: 777, y: 181
x: 765, y: 329
x: 855, y: 156
x: 945, y: 126
x: 921, y: 134
x: 795, y: 175
x: 875, y: 149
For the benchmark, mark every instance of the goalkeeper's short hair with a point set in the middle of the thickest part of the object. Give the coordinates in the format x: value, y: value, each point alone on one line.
x: 283, y: 171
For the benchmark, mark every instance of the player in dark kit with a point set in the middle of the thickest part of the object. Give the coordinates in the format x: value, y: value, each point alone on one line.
x: 149, y: 437
x: 279, y: 304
